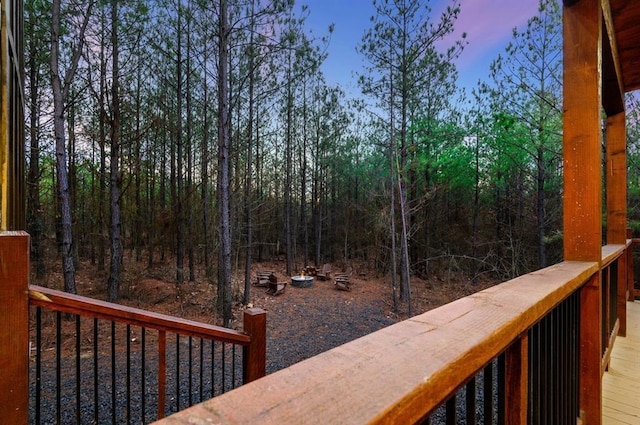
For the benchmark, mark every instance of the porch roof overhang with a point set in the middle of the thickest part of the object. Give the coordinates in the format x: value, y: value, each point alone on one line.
x: 620, y: 51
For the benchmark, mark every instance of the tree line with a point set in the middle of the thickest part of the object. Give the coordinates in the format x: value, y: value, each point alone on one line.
x: 204, y: 133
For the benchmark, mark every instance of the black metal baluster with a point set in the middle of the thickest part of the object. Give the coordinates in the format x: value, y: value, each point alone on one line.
x: 58, y: 365
x: 96, y: 395
x: 178, y: 371
x: 553, y: 371
x: 213, y: 368
x: 471, y: 401
x: 501, y: 389
x: 544, y: 375
x: 78, y: 377
x: 143, y: 361
x: 113, y: 372
x: 575, y: 354
x: 450, y: 418
x: 224, y: 366
x: 233, y: 366
x: 38, y: 362
x: 488, y: 394
x: 565, y: 403
x: 128, y: 373
x: 190, y: 385
x: 201, y: 369
x: 531, y: 375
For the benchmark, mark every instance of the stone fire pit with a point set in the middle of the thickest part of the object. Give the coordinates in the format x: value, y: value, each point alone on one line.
x: 302, y: 281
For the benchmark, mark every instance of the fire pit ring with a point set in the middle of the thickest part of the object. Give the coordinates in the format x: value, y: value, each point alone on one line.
x: 302, y: 281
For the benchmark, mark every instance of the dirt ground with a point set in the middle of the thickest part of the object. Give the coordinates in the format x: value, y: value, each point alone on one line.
x: 301, y: 322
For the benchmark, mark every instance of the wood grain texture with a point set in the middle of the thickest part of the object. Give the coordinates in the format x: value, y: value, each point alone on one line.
x: 255, y: 355
x: 616, y: 178
x: 517, y: 386
x: 621, y: 293
x: 400, y: 373
x: 90, y: 307
x: 582, y: 151
x: 625, y: 15
x: 610, y: 253
x: 591, y: 350
x: 14, y: 327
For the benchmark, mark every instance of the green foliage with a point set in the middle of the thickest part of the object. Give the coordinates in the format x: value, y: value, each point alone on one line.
x: 479, y: 174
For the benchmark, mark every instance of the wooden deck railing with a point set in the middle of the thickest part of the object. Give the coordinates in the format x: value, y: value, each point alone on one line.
x: 543, y: 333
x: 99, y: 362
x: 532, y: 349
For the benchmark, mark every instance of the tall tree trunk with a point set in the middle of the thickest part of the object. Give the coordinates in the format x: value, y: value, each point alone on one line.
x: 224, y: 141
x: 405, y: 251
x: 60, y: 92
x: 402, y: 170
x: 189, y: 189
x: 317, y: 189
x: 102, y: 193
x: 303, y: 179
x: 476, y: 211
x: 138, y: 221
x: 540, y: 215
x: 151, y: 193
x: 248, y: 207
x: 179, y: 155
x: 392, y: 200
x: 113, y: 285
x: 34, y: 211
x: 205, y: 173
x: 287, y: 184
x: 64, y: 201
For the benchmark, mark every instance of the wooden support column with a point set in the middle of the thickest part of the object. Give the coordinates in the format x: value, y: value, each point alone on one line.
x: 616, y: 178
x: 14, y: 327
x: 582, y: 31
x: 582, y: 153
x: 630, y: 278
x: 622, y: 293
x: 255, y: 355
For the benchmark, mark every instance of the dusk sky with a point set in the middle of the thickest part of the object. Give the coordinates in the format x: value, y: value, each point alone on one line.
x: 488, y: 24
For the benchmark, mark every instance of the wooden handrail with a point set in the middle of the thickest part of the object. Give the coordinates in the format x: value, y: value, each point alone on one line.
x: 400, y: 373
x: 84, y: 306
x: 252, y: 342
x: 612, y: 252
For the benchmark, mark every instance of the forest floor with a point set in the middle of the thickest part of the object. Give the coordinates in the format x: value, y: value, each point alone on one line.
x: 301, y: 322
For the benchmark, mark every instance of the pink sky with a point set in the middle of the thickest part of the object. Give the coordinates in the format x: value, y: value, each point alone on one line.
x: 488, y: 24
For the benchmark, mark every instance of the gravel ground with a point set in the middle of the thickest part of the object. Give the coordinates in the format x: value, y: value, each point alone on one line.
x: 301, y: 323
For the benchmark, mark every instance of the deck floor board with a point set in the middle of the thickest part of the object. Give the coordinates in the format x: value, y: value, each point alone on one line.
x: 621, y: 383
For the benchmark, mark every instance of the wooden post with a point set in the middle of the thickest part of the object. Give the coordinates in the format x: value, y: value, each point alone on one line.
x: 255, y: 354
x: 630, y: 276
x: 591, y: 351
x: 616, y: 179
x: 622, y: 293
x: 582, y: 219
x: 14, y: 327
x: 517, y: 385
